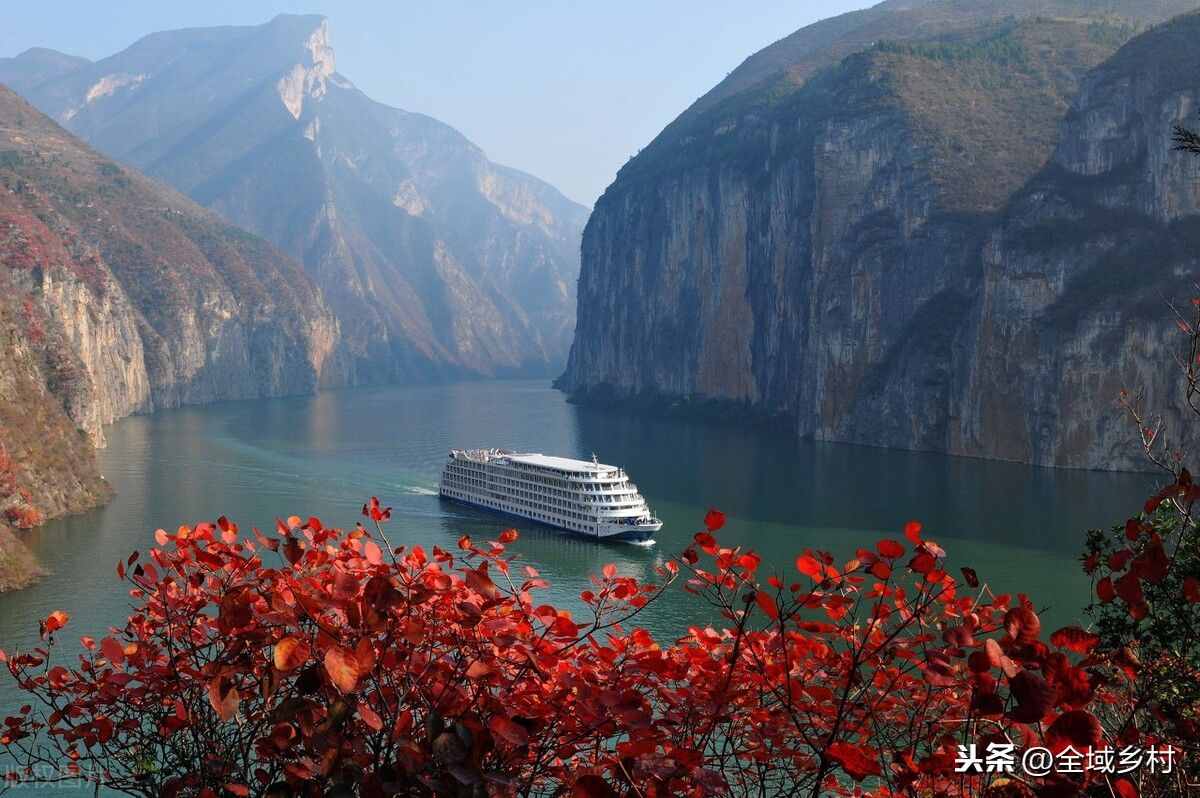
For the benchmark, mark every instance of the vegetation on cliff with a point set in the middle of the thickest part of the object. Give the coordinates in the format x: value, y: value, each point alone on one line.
x: 951, y: 238
x: 18, y: 566
x: 117, y: 296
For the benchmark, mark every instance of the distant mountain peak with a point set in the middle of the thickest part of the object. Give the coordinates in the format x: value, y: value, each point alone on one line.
x: 308, y: 80
x: 439, y: 261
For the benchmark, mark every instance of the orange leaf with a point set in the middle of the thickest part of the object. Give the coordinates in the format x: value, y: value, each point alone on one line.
x: 373, y: 553
x: 224, y: 701
x: 290, y: 654
x: 56, y: 620
x: 342, y: 668
x: 479, y: 670
x: 369, y: 717
x: 364, y: 655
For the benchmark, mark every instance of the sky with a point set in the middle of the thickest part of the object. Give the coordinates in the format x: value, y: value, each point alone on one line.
x: 566, y: 90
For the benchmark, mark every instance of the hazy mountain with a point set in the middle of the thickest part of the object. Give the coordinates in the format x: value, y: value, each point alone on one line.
x: 437, y: 261
x: 828, y: 236
x: 118, y: 295
x: 37, y: 65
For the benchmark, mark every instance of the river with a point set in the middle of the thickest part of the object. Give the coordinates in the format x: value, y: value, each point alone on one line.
x: 1021, y: 528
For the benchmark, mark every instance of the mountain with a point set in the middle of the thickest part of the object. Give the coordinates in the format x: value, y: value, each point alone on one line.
x: 118, y: 296
x: 38, y: 65
x: 437, y: 261
x: 835, y: 236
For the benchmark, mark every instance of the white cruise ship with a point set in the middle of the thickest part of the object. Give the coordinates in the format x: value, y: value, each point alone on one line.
x: 587, y: 498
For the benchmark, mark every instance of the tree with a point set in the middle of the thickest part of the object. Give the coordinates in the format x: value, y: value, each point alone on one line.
x: 316, y: 661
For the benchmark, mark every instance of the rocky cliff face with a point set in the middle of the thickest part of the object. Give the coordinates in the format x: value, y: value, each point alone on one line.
x: 910, y: 248
x: 437, y: 261
x: 119, y: 296
x: 1075, y: 278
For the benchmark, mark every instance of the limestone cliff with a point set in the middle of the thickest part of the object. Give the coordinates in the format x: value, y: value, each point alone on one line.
x: 119, y: 296
x: 845, y: 246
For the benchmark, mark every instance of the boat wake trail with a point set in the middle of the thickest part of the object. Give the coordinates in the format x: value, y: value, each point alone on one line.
x: 643, y: 543
x: 417, y: 491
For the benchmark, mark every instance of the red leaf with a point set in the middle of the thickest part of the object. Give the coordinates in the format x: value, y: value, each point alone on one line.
x: 481, y: 583
x: 224, y: 699
x: 508, y: 730
x: 809, y: 566
x: 591, y: 786
x: 509, y: 535
x: 112, y: 650
x: 240, y: 790
x: 714, y: 520
x: 56, y: 620
x: 1129, y: 588
x: 1077, y: 728
x: 1075, y: 639
x: 912, y: 531
x: 767, y: 604
x: 609, y: 571
x: 1124, y: 788
x: 1105, y: 590
x: 854, y: 760
x: 890, y: 549
x: 971, y: 577
x: 1022, y: 625
x: 1191, y: 589
x: 370, y: 717
x: 923, y: 563
x: 1034, y: 696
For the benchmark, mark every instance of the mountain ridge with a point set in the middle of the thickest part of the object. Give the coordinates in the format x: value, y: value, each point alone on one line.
x: 438, y: 262
x: 829, y: 255
x: 121, y: 296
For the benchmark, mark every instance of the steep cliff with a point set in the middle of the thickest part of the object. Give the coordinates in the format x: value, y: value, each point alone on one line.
x: 119, y: 296
x: 830, y: 244
x: 437, y: 261
x: 161, y: 302
x: 1075, y: 280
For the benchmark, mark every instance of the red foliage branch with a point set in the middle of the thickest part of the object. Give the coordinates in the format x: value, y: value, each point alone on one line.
x: 346, y: 665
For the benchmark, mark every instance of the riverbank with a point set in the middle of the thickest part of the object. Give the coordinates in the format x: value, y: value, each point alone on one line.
x: 18, y: 567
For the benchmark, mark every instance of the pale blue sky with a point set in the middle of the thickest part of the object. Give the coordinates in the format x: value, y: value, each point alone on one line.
x: 565, y: 90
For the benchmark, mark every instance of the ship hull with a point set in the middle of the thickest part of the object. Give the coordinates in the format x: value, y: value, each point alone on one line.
x: 614, y: 532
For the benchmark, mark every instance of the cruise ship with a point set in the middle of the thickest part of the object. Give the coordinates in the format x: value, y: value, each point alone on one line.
x: 585, y: 497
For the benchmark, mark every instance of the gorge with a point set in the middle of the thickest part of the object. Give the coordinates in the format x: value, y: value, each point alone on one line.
x: 395, y: 250
x: 948, y: 226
